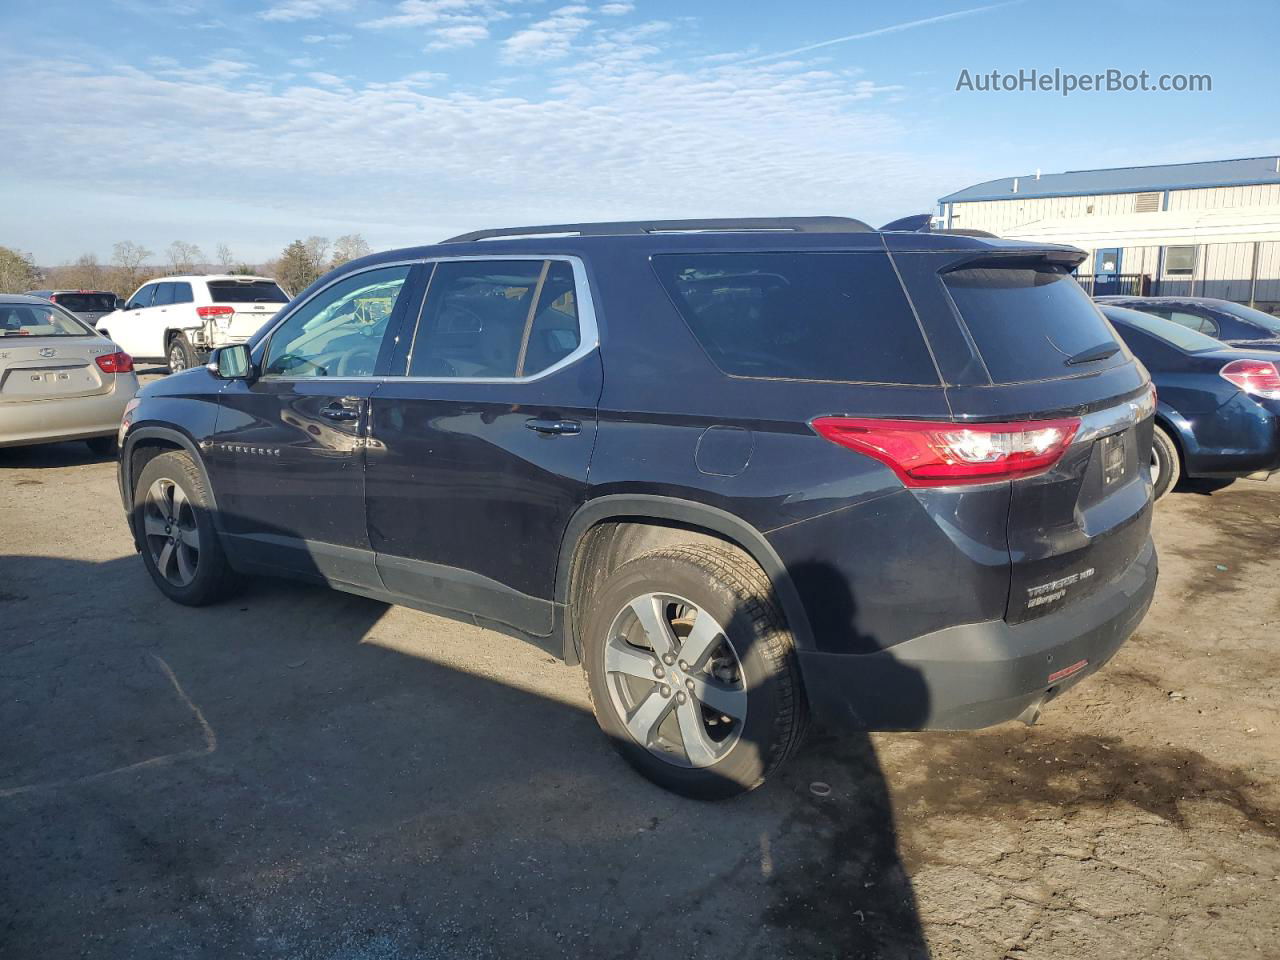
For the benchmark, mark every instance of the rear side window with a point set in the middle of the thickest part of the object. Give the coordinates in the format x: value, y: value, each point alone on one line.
x: 799, y: 316
x: 246, y: 291
x: 164, y: 295
x: 1028, y: 320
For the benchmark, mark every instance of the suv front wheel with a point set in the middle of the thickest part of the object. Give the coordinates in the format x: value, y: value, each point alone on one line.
x: 692, y: 670
x: 173, y: 519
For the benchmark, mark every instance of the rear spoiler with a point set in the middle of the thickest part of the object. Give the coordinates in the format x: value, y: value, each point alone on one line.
x: 923, y: 223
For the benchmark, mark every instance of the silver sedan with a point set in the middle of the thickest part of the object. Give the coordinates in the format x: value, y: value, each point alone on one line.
x: 59, y: 380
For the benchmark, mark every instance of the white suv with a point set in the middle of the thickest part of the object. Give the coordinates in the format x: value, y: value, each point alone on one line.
x: 180, y: 319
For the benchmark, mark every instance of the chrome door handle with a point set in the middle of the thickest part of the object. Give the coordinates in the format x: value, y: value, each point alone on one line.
x: 551, y: 428
x: 336, y: 411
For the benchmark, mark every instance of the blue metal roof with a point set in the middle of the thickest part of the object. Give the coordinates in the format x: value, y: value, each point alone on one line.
x: 1172, y: 176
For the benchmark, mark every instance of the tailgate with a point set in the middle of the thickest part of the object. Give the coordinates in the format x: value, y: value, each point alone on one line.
x: 52, y: 368
x: 1079, y: 526
x: 249, y: 317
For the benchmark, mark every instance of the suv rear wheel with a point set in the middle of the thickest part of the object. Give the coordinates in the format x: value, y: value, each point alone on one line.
x: 175, y: 527
x: 181, y: 355
x: 692, y: 670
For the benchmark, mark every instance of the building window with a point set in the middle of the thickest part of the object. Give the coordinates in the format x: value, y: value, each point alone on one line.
x: 1179, y: 261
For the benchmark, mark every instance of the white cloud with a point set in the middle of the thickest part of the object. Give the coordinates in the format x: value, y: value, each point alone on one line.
x: 616, y: 9
x: 290, y: 10
x: 546, y: 40
x: 462, y: 35
x: 621, y: 131
x: 421, y: 13
x: 336, y: 39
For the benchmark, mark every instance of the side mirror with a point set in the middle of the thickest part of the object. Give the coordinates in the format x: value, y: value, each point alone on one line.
x: 232, y: 363
x: 119, y: 304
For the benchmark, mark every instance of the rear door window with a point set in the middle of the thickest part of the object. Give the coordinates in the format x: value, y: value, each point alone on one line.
x: 1028, y: 319
x: 496, y: 319
x: 799, y: 316
x: 164, y: 295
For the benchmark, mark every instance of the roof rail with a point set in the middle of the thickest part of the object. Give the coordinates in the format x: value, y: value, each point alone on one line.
x: 721, y: 225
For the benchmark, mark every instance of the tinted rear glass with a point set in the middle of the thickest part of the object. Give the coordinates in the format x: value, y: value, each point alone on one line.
x: 86, y: 302
x: 800, y: 316
x: 1028, y: 319
x: 252, y: 291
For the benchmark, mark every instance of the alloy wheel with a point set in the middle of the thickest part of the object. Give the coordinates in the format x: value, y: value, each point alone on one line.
x: 675, y: 680
x: 169, y: 527
x: 177, y: 358
x: 1155, y: 466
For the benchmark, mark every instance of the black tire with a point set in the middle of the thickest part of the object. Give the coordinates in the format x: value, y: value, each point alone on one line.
x: 213, y: 577
x: 181, y: 355
x: 1166, y: 467
x: 736, y: 593
x: 103, y: 446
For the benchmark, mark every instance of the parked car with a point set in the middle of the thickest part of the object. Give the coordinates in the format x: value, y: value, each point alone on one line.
x: 1218, y: 413
x: 59, y: 380
x: 178, y: 320
x: 89, y: 305
x: 1232, y: 323
x: 734, y: 469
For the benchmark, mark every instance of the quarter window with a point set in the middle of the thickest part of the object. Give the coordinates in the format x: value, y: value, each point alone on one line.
x: 182, y: 293
x: 339, y: 332
x: 496, y: 319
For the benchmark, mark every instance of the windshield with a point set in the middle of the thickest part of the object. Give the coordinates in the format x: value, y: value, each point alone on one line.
x: 1174, y: 334
x: 85, y: 302
x: 33, y: 320
x: 1264, y: 320
x: 246, y: 291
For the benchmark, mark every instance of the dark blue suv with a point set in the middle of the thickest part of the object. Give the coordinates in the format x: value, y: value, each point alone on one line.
x: 746, y: 473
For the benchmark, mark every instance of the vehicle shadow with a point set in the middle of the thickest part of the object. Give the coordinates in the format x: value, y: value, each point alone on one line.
x: 69, y: 453
x: 379, y: 782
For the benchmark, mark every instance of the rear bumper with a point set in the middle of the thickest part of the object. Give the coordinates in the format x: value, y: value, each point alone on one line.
x: 71, y: 418
x: 978, y: 674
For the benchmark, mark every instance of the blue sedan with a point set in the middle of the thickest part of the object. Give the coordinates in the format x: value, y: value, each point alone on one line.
x: 1218, y: 410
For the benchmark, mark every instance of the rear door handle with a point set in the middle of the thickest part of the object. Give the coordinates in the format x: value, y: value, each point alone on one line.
x: 344, y: 410
x: 552, y: 428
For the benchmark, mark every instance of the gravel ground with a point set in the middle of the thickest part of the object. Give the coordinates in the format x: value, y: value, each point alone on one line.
x: 299, y: 773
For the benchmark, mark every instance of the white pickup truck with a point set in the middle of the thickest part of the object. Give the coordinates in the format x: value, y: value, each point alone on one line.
x: 178, y: 320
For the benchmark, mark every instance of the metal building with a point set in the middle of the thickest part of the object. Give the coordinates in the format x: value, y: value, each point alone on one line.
x: 1193, y: 229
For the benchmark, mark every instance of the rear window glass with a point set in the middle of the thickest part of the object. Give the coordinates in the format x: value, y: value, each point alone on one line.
x: 1166, y: 331
x: 1028, y: 320
x: 800, y: 316
x: 30, y: 320
x: 86, y: 302
x: 246, y: 291
x: 1264, y: 320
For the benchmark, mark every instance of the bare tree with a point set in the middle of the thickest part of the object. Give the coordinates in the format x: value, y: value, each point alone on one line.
x: 317, y: 249
x: 130, y: 259
x: 86, y: 273
x: 225, y: 258
x: 351, y: 246
x: 185, y: 257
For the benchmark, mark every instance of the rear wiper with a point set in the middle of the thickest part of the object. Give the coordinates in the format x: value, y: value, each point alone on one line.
x: 1100, y: 352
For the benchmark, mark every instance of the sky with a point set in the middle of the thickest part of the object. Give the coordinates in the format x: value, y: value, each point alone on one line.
x: 255, y: 122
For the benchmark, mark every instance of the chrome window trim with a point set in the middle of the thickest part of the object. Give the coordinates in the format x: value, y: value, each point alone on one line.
x: 588, y: 328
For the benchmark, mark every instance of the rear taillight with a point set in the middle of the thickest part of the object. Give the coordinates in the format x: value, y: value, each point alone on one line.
x: 213, y: 313
x: 118, y: 362
x: 1259, y: 378
x: 930, y: 453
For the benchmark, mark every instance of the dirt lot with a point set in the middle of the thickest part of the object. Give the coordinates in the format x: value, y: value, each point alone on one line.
x: 300, y: 773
